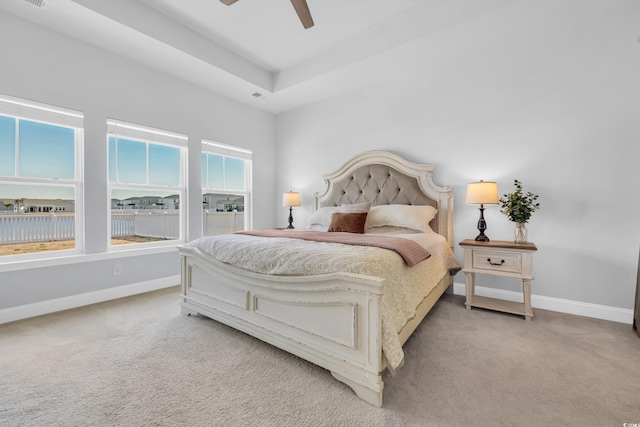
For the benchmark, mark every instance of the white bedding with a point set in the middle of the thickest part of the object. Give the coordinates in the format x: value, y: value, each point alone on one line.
x: 405, y: 287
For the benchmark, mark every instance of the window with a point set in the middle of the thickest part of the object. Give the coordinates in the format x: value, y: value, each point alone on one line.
x: 146, y: 184
x: 226, y: 188
x: 40, y: 178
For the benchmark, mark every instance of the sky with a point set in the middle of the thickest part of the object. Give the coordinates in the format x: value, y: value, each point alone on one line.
x: 48, y: 151
x: 128, y: 163
x: 45, y: 151
x: 221, y: 172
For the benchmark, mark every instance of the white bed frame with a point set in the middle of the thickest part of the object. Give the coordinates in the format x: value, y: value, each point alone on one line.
x: 331, y: 320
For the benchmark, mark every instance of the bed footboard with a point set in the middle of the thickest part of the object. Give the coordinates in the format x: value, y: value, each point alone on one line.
x: 331, y: 320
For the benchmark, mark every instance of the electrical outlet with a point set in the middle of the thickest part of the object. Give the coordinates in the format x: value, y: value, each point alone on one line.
x: 117, y: 269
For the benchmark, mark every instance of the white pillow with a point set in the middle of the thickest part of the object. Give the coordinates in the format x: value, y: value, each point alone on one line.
x: 416, y: 217
x: 322, y: 216
x: 356, y: 207
x: 390, y: 229
x: 317, y: 227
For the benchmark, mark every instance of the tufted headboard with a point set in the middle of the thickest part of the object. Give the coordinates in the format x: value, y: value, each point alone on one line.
x: 384, y: 178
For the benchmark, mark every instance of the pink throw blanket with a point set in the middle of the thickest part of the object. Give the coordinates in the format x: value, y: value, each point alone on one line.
x: 410, y: 251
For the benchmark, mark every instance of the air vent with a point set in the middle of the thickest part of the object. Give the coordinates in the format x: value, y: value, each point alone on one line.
x: 39, y: 3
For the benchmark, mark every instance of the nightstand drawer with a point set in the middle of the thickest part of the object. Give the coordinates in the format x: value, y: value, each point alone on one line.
x: 506, y: 262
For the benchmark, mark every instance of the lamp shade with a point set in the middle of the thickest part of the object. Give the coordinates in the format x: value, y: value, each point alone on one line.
x: 292, y: 198
x: 482, y: 193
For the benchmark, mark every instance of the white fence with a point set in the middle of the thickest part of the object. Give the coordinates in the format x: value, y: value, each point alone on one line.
x: 123, y: 224
x: 29, y: 228
x: 215, y: 223
x: 164, y: 225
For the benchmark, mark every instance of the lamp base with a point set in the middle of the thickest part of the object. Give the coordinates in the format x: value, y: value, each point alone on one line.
x: 481, y: 238
x: 290, y: 218
x: 482, y: 225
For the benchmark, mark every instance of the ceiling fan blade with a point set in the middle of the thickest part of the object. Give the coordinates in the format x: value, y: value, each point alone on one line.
x: 228, y: 2
x: 302, y: 9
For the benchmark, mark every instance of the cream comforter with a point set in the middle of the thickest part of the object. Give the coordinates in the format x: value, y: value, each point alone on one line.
x: 404, y: 287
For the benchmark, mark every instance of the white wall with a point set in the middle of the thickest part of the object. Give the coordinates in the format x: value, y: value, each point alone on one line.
x: 47, y: 67
x: 545, y: 92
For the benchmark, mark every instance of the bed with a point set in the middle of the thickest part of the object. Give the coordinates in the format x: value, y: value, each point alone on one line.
x: 348, y: 309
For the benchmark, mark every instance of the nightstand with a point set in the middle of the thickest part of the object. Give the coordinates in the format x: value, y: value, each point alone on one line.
x: 500, y: 258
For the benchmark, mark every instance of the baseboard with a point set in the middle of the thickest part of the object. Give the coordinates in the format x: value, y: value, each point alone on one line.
x: 596, y: 311
x: 51, y: 306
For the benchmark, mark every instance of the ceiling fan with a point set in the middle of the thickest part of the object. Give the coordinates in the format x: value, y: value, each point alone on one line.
x: 301, y: 7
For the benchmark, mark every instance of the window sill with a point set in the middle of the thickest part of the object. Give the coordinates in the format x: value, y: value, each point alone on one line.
x: 75, y: 258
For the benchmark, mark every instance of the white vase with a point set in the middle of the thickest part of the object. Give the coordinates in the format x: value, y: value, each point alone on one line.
x: 520, y: 233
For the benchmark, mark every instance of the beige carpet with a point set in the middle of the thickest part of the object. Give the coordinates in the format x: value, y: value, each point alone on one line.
x: 139, y: 362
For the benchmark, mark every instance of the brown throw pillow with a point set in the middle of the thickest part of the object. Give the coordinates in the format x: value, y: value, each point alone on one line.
x: 349, y: 222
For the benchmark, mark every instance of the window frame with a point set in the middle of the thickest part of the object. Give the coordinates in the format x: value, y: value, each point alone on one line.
x: 155, y: 136
x: 23, y: 109
x: 225, y: 150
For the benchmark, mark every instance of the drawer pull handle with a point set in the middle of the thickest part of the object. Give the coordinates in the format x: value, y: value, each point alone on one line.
x: 495, y: 263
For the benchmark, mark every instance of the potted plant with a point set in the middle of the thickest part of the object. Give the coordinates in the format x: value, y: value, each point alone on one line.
x: 518, y: 207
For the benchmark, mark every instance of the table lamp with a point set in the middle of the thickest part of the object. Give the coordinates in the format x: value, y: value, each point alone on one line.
x: 289, y: 200
x: 482, y: 193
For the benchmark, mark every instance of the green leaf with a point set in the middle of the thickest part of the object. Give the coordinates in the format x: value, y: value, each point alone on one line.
x: 519, y: 207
